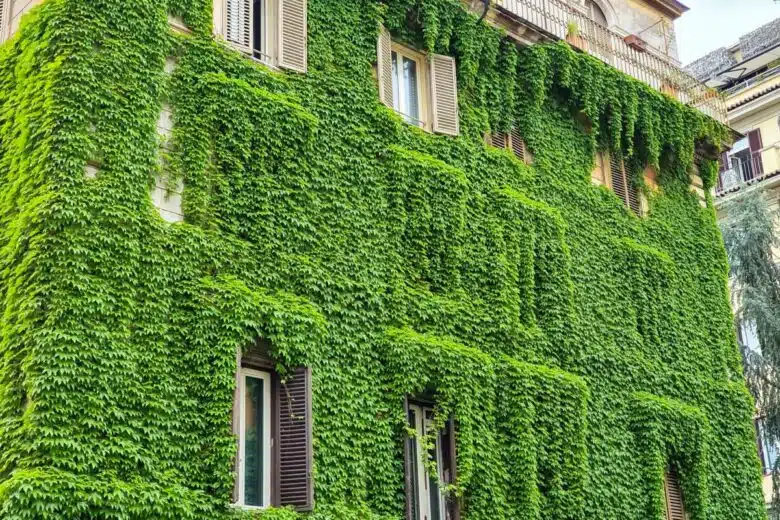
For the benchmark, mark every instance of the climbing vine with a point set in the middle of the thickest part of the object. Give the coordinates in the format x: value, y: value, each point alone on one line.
x: 581, y: 349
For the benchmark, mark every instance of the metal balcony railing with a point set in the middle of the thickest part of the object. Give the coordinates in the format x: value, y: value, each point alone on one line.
x: 553, y: 17
x: 742, y: 171
x: 755, y: 80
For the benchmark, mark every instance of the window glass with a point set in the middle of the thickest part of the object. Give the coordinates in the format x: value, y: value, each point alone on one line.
x: 769, y: 450
x: 253, y: 442
x: 410, y: 88
x: 415, y: 469
x: 433, y: 454
x: 258, y: 26
x: 406, y: 92
x: 254, y: 469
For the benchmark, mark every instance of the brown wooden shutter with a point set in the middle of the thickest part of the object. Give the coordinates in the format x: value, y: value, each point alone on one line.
x: 618, y: 178
x: 293, y: 35
x: 498, y: 139
x: 444, y: 91
x: 723, y: 161
x: 675, y: 509
x: 238, y: 23
x: 517, y: 143
x: 294, y: 443
x: 756, y: 145
x: 384, y: 66
x: 634, y: 198
x: 449, y: 468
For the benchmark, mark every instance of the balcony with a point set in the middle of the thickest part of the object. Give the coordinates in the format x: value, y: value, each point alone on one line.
x: 753, y: 88
x: 744, y: 168
x: 551, y: 19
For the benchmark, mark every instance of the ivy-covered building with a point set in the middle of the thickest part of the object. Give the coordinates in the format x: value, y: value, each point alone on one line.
x: 359, y: 260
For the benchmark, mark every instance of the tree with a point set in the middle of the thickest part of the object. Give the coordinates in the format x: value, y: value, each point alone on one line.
x: 751, y: 243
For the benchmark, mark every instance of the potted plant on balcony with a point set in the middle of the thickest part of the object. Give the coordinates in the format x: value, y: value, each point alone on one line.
x: 710, y: 93
x: 574, y: 38
x: 669, y: 87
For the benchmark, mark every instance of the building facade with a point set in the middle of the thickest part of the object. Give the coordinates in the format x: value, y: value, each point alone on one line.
x: 414, y: 259
x: 748, y: 75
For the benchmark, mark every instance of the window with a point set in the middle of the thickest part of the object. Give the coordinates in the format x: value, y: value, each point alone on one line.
x: 406, y: 86
x: 272, y: 424
x: 425, y: 498
x: 621, y: 184
x: 511, y: 141
x: 272, y: 31
x: 421, y: 89
x: 675, y: 509
x: 596, y: 13
x: 767, y: 450
x: 254, y: 468
x: 600, y: 174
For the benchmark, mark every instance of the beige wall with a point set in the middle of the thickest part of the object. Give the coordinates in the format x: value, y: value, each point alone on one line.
x: 766, y: 117
x: 18, y: 8
x: 638, y: 17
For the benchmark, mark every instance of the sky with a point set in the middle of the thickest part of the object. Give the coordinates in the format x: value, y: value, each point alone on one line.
x: 711, y: 24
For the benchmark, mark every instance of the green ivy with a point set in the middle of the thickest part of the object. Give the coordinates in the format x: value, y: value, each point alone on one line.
x: 580, y: 348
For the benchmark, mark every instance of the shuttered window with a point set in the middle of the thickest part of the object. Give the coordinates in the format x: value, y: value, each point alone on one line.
x: 422, y: 90
x: 272, y: 31
x: 444, y: 87
x: 272, y: 421
x: 675, y: 508
x: 512, y: 141
x: 425, y: 499
x: 622, y: 186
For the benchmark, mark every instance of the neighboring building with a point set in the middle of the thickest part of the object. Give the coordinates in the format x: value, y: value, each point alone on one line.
x: 748, y: 75
x: 370, y: 260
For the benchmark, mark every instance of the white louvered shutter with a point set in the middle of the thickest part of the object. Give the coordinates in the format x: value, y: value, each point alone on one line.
x: 5, y: 7
x: 444, y: 91
x: 293, y: 35
x: 238, y: 23
x: 384, y: 66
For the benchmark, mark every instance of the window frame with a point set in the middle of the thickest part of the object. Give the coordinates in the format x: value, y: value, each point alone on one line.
x: 425, y: 120
x: 267, y: 379
x: 422, y: 478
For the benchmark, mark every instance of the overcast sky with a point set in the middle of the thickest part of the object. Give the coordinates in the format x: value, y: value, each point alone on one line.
x: 711, y: 24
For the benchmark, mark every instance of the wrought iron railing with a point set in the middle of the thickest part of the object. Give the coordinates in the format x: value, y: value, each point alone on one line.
x: 755, y: 80
x: 742, y: 171
x: 554, y: 17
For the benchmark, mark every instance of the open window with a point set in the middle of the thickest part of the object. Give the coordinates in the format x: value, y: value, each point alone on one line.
x: 426, y: 500
x: 272, y: 423
x: 272, y: 31
x: 421, y: 88
x: 675, y: 507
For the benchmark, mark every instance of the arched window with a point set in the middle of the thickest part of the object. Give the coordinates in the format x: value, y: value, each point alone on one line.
x: 596, y: 13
